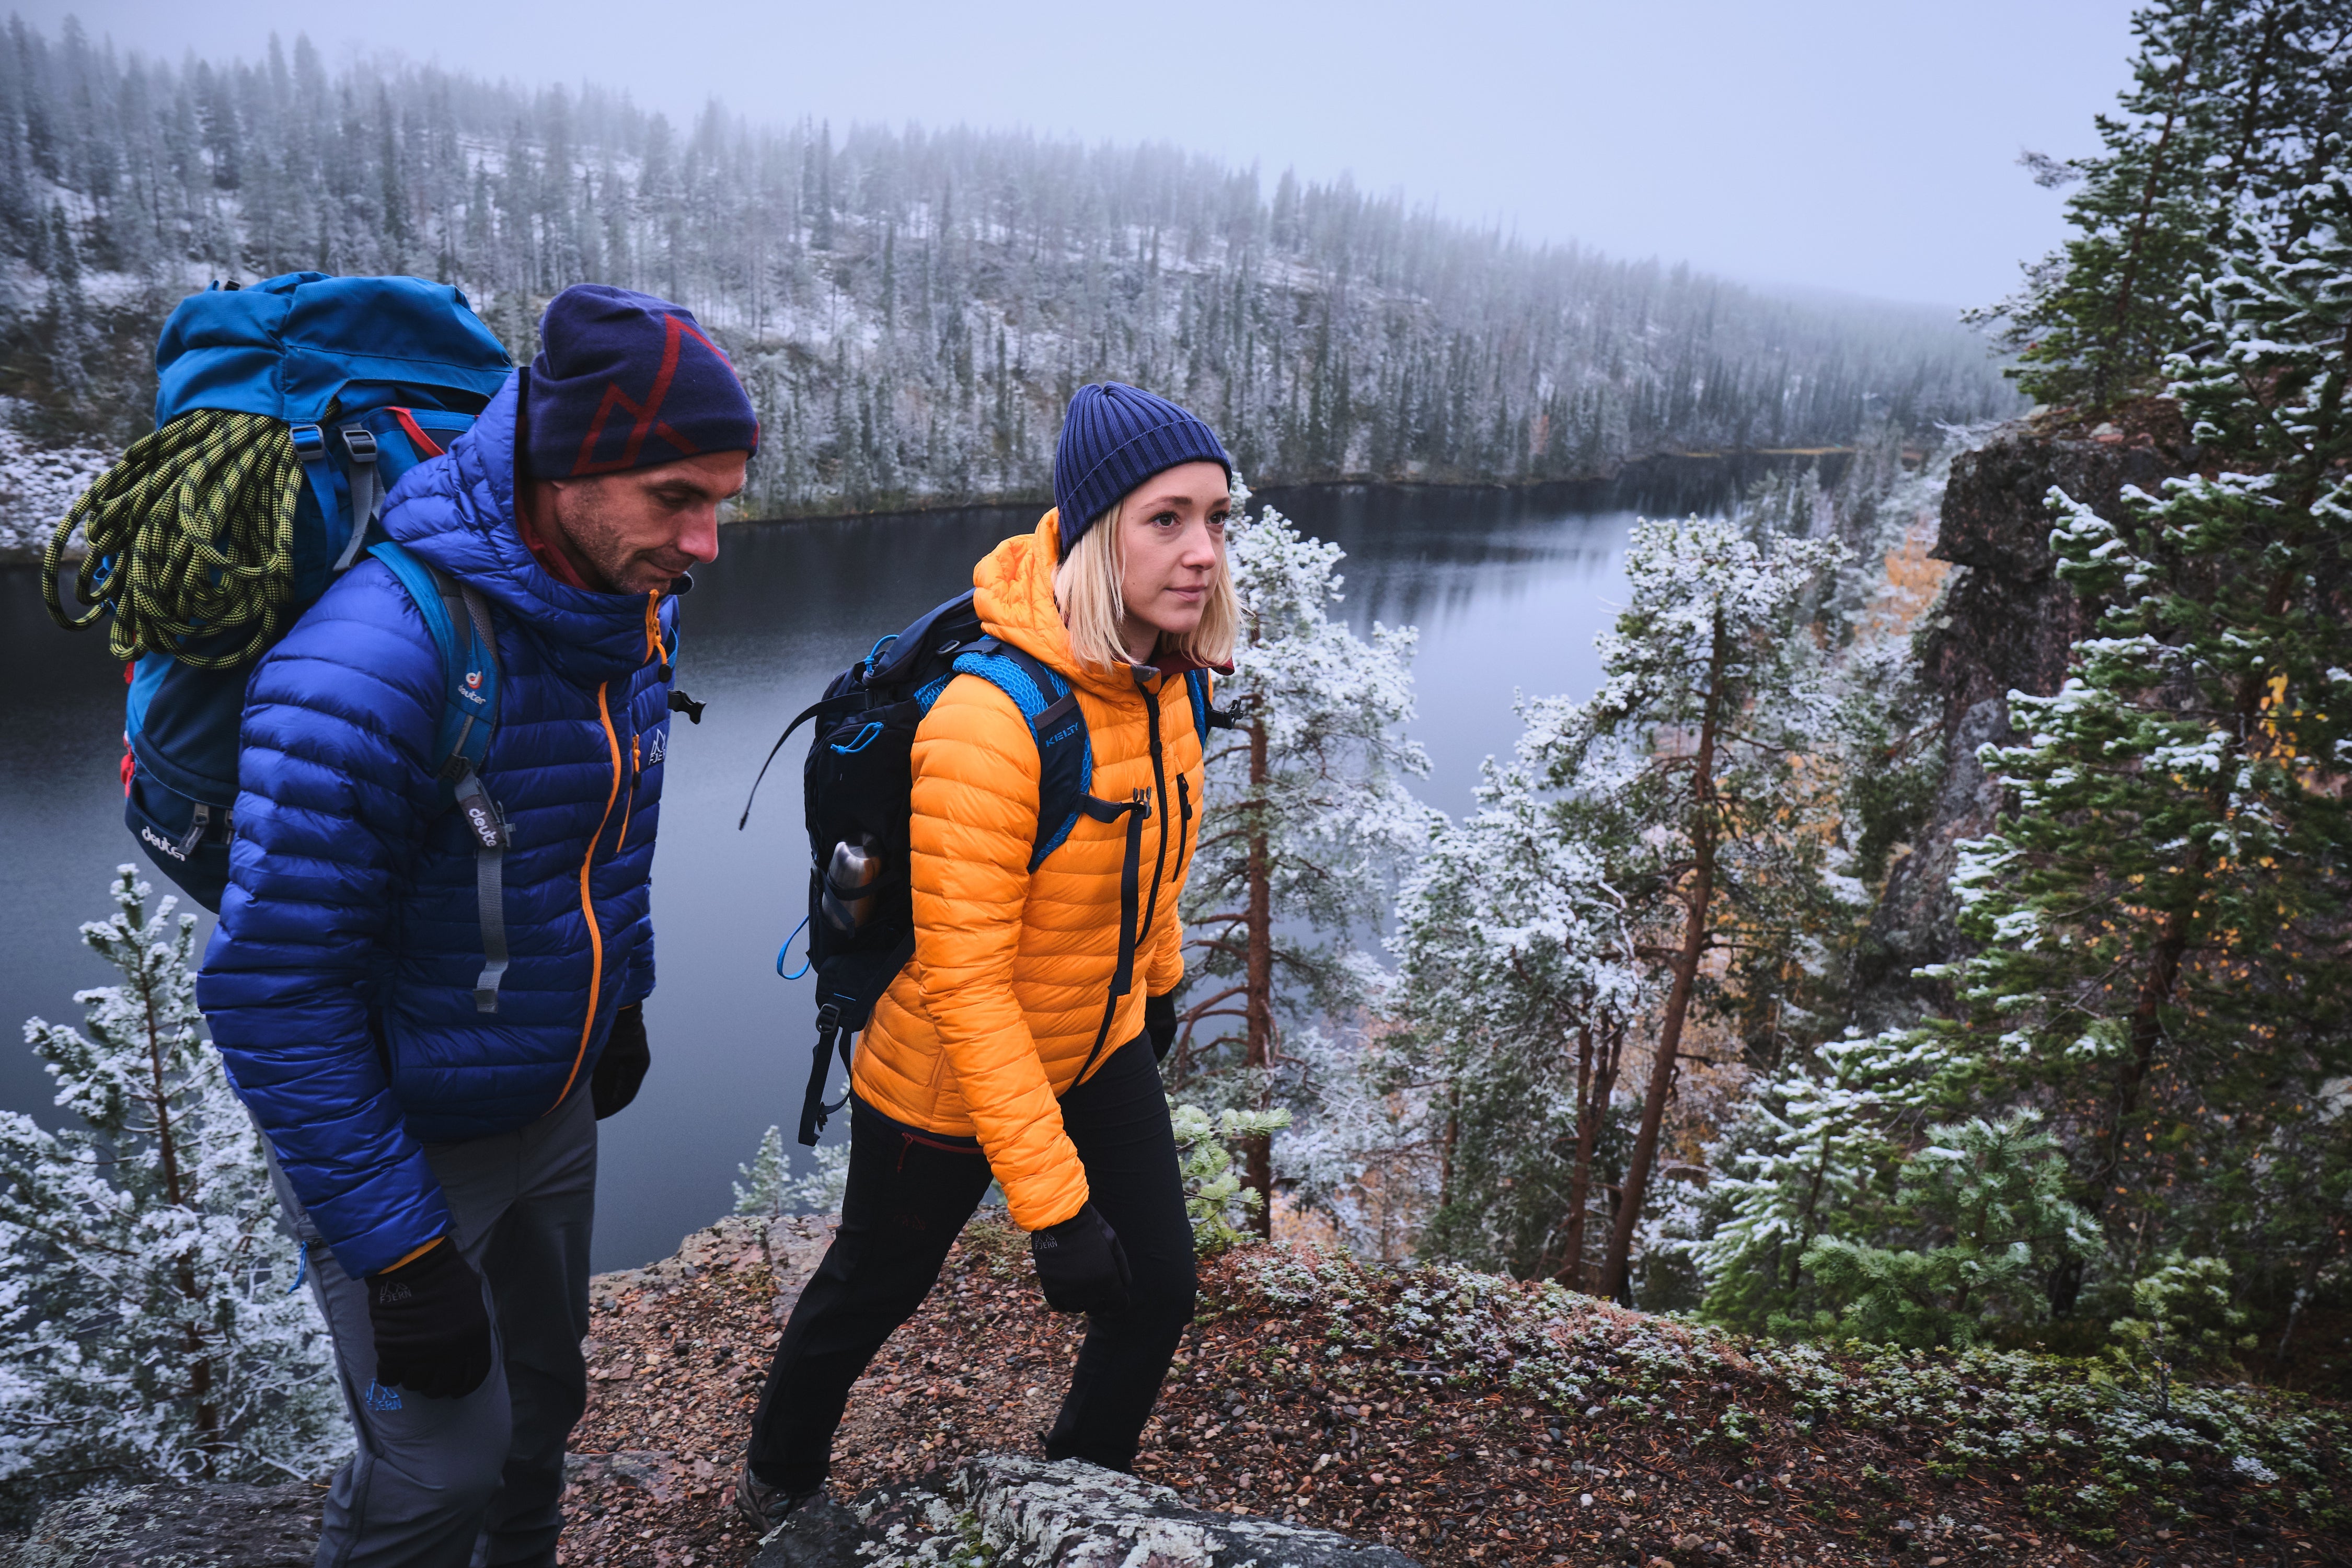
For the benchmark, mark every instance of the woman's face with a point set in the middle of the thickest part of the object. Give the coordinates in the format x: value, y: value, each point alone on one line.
x: 1171, y: 540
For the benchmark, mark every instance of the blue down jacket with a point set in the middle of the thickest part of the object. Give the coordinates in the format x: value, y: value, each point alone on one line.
x: 340, y: 986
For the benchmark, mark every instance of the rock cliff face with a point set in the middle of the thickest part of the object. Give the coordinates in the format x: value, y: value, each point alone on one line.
x: 2004, y: 623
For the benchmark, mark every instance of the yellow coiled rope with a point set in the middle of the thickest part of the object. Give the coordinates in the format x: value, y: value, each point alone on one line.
x: 190, y: 541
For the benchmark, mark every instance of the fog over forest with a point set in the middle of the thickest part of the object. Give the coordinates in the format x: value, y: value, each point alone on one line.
x: 911, y: 308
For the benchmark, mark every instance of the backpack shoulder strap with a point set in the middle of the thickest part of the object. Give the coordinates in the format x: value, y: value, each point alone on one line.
x: 1206, y: 715
x: 459, y: 619
x: 1065, y: 754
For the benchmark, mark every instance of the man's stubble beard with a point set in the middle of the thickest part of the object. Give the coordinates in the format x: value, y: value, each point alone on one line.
x: 581, y: 512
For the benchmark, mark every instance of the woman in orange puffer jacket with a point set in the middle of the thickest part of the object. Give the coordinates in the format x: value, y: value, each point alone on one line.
x: 1008, y: 1047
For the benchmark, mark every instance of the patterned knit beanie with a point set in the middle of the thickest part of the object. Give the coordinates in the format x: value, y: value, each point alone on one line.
x: 1113, y: 438
x: 626, y: 380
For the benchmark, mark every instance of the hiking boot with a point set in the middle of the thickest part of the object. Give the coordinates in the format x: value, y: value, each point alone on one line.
x: 765, y: 1506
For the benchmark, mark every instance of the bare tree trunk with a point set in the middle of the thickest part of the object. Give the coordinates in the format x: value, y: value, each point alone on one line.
x: 1570, y: 1272
x: 1258, y: 1152
x: 1805, y: 1216
x: 1615, y: 1267
x: 1596, y: 1078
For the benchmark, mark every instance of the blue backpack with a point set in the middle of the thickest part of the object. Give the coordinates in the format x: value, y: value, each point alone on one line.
x: 371, y: 375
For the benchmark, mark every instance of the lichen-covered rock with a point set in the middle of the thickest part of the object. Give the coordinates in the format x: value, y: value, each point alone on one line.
x: 1030, y: 1513
x: 174, y: 1527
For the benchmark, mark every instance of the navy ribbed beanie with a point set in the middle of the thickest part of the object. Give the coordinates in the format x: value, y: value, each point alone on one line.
x: 1114, y: 438
x: 626, y: 380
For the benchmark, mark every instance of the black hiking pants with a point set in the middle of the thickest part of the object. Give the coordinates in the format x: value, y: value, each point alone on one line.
x: 909, y: 1194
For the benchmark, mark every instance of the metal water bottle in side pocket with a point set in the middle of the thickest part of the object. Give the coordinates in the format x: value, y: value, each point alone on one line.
x: 850, y: 895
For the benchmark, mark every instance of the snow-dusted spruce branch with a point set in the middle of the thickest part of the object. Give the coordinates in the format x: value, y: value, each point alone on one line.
x: 2233, y: 120
x: 145, y: 1307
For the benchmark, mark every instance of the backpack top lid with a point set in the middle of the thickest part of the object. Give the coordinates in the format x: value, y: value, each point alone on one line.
x: 287, y: 347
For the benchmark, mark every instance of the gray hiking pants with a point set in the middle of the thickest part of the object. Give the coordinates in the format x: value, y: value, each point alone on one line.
x: 478, y: 1481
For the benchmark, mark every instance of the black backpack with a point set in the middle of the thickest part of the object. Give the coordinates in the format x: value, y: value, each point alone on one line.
x: 858, y: 783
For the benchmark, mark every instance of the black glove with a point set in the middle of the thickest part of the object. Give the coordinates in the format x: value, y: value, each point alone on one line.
x: 1081, y: 1264
x: 1159, y: 1023
x: 432, y: 1334
x: 623, y: 1066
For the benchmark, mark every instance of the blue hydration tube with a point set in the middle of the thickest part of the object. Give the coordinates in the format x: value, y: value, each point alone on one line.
x: 785, y: 950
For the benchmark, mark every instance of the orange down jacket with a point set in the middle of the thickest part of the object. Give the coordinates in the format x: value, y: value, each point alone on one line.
x: 991, y: 1021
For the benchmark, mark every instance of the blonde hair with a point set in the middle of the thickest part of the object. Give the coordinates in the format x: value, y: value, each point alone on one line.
x: 1087, y: 591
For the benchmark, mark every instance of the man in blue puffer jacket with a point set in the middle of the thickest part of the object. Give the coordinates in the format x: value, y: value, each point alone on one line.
x: 436, y: 1161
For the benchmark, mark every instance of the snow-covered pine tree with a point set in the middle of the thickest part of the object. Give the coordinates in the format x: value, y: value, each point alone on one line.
x: 146, y: 1312
x: 1306, y: 824
x: 910, y: 310
x: 2228, y: 119
x: 1518, y: 984
x: 1700, y: 778
x: 1819, y: 1142
x: 760, y: 1194
x: 1982, y: 1207
x: 2162, y: 917
x: 774, y: 1192
x: 1369, y: 1159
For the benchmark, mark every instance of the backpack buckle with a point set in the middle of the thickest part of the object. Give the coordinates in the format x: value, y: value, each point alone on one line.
x: 310, y: 442
x: 358, y: 441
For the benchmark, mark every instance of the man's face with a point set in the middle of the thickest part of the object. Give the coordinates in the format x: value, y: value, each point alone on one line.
x: 640, y: 529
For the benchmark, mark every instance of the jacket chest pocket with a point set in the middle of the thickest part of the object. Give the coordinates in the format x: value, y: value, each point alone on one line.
x: 641, y: 780
x: 633, y: 781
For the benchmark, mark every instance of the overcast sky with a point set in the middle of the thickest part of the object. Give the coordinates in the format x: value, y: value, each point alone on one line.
x: 1868, y: 147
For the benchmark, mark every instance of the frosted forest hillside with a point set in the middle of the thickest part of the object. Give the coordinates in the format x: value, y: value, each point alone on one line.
x: 912, y: 307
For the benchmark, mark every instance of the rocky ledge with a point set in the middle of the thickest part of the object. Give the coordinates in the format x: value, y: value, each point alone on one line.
x: 174, y: 1527
x: 676, y: 1354
x: 1016, y: 1512
x: 1319, y: 1402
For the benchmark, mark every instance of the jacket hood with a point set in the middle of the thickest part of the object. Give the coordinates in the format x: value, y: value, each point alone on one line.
x: 1013, y: 591
x: 457, y: 511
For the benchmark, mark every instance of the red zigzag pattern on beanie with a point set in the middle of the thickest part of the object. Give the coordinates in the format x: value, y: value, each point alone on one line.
x: 649, y: 421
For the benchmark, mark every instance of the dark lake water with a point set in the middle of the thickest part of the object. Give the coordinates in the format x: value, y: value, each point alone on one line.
x: 1507, y: 587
